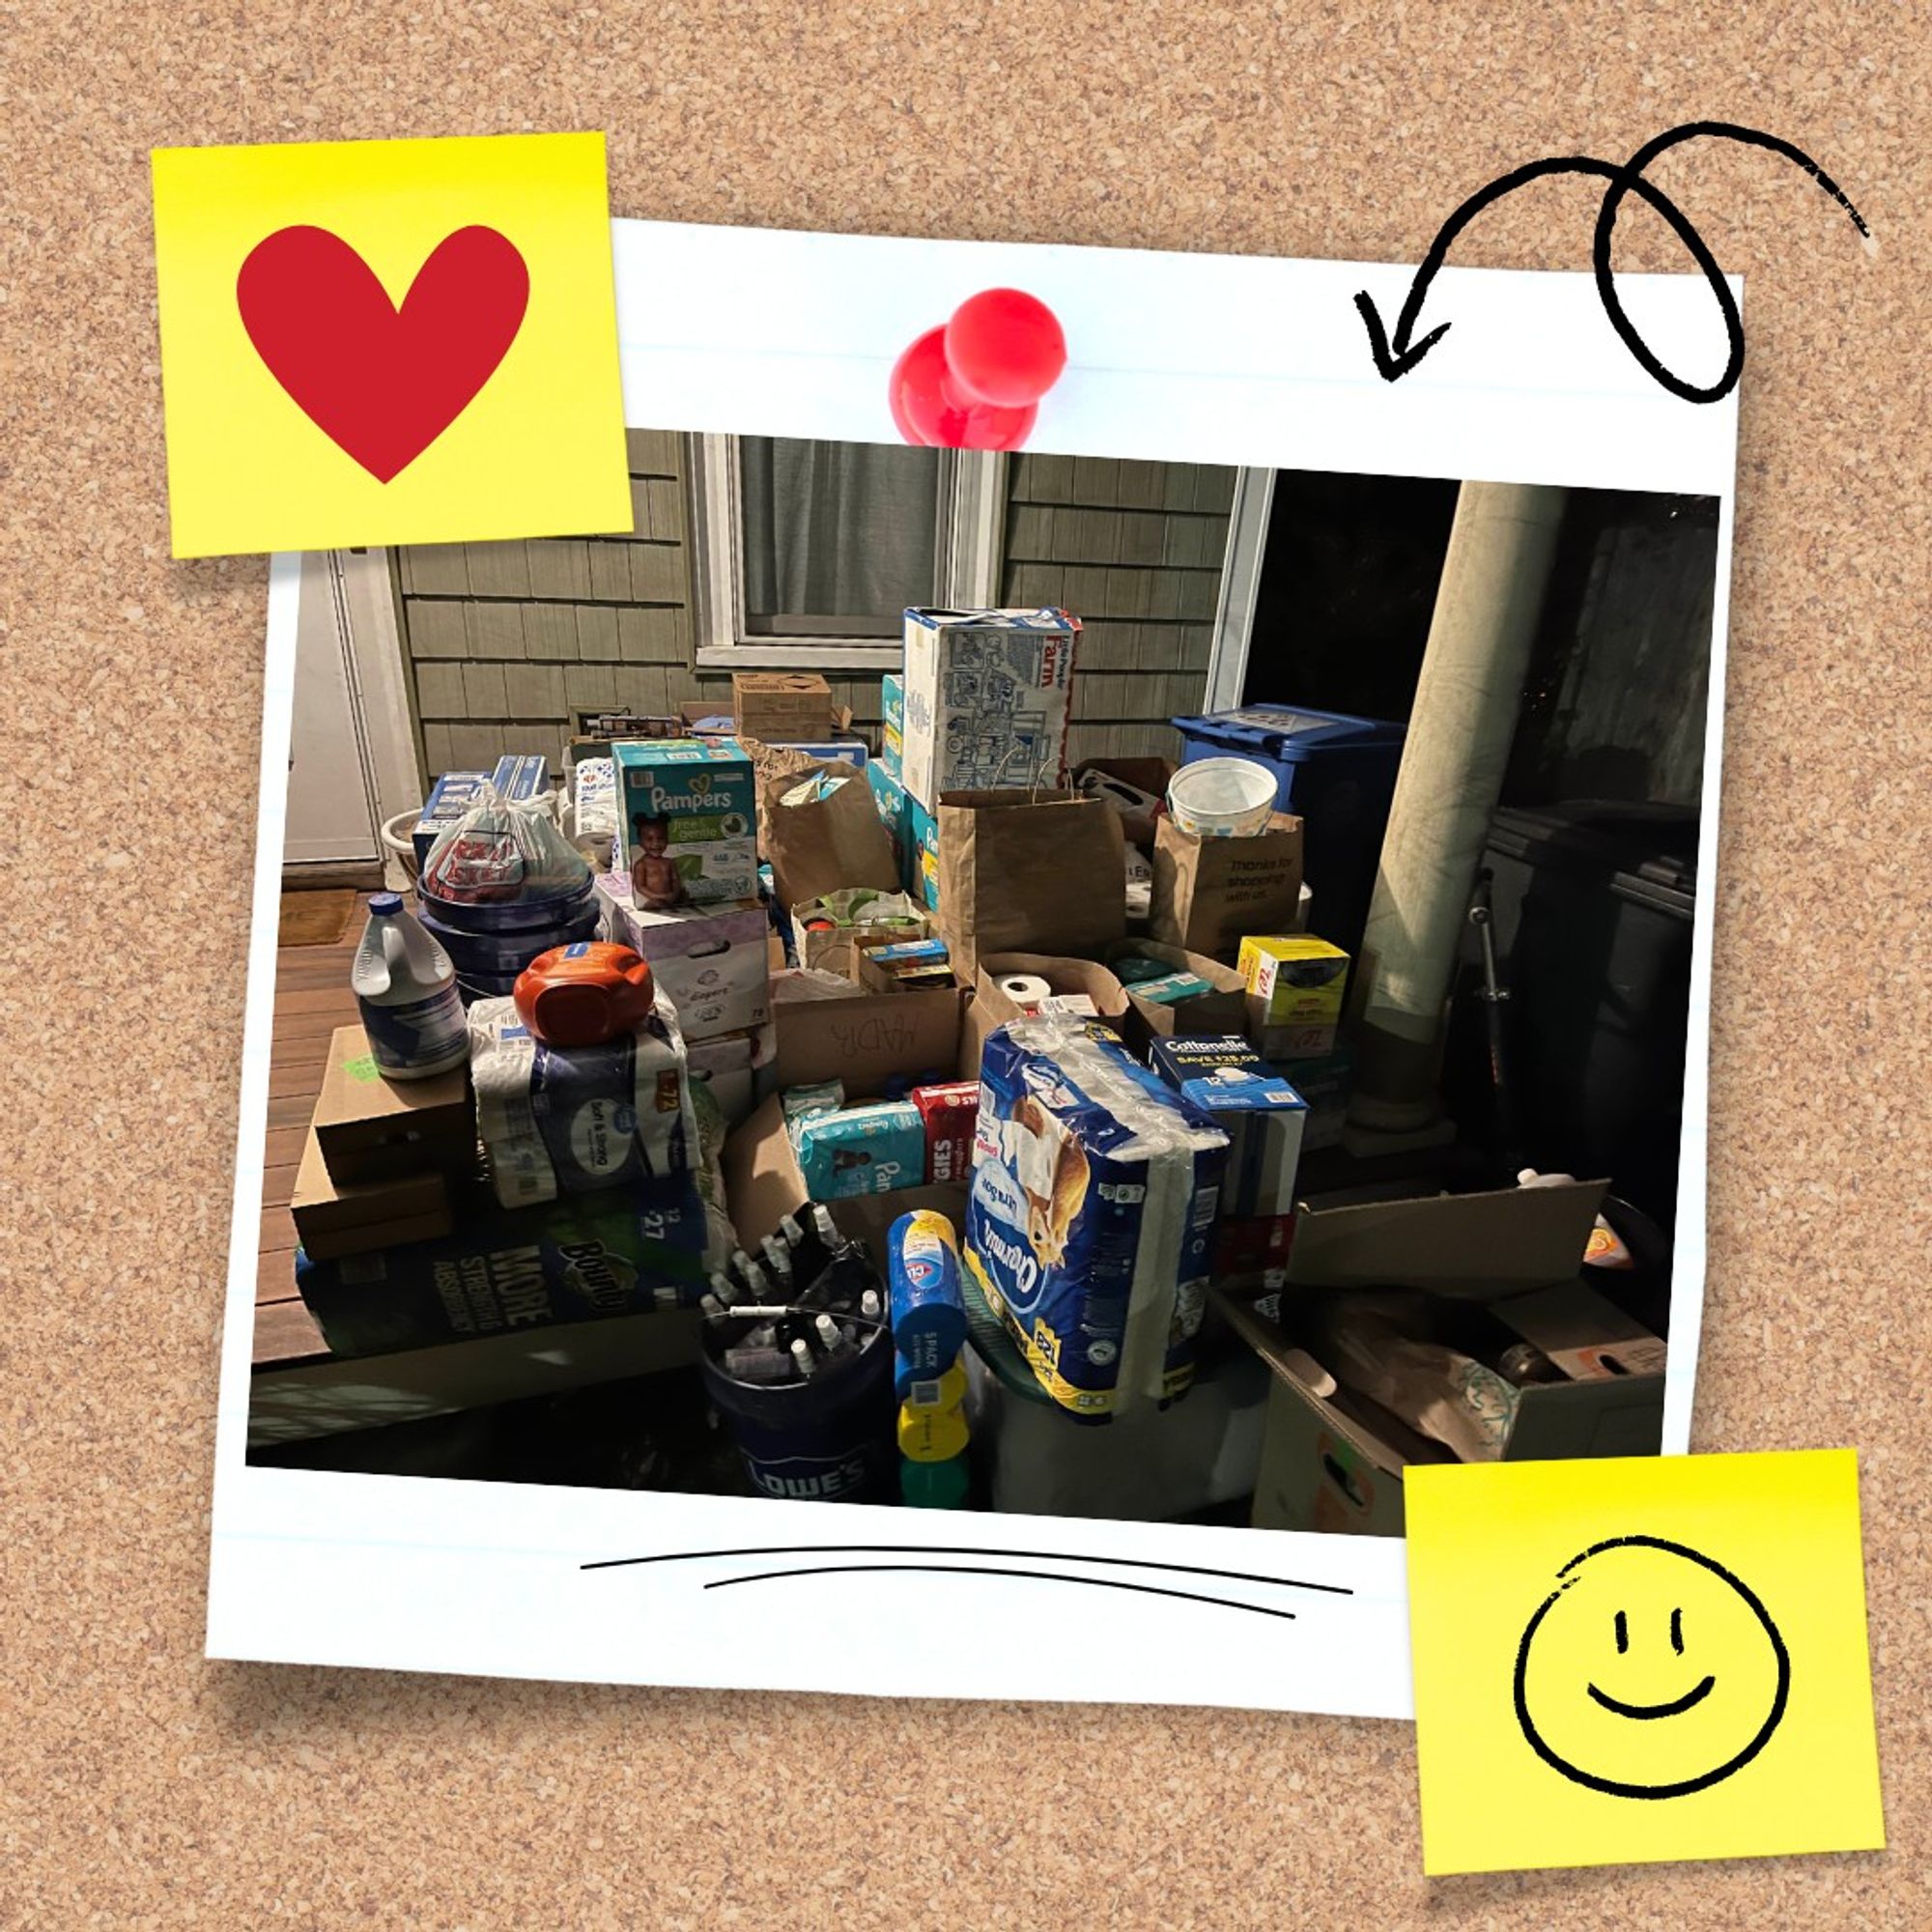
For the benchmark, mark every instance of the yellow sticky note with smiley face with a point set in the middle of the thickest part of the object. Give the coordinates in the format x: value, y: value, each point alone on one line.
x: 1640, y: 1658
x: 385, y: 342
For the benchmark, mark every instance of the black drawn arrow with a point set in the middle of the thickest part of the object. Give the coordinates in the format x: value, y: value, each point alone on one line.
x: 1396, y: 355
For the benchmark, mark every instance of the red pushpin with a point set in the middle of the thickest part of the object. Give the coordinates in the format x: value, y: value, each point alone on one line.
x: 977, y: 383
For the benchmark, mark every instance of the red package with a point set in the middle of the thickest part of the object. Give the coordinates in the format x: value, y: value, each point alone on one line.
x: 951, y: 1111
x: 1257, y: 1246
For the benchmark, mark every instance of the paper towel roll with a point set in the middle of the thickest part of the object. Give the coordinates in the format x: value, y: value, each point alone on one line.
x: 1026, y: 990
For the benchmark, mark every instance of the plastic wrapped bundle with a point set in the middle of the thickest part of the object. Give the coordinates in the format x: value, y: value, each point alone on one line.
x: 1090, y: 1222
x: 577, y: 1119
x: 500, y: 854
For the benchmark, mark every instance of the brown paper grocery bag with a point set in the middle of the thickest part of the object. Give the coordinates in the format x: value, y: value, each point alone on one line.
x: 1028, y: 872
x: 1210, y: 894
x: 817, y: 845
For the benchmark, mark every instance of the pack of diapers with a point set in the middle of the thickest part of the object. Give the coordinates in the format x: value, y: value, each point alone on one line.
x: 576, y: 1120
x: 1090, y: 1221
x: 872, y: 1149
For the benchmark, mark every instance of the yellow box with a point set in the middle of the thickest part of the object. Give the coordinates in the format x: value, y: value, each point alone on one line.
x: 1295, y: 986
x: 388, y: 342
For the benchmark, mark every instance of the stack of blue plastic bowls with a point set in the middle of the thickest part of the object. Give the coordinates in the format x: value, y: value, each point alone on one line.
x: 491, y: 942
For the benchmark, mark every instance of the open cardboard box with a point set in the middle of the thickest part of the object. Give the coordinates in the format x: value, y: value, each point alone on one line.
x: 869, y: 1040
x: 991, y: 1007
x: 1332, y: 1459
x: 1151, y: 776
x: 1223, y: 1008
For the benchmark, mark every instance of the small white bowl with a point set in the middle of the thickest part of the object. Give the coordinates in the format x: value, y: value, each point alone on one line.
x: 1222, y: 798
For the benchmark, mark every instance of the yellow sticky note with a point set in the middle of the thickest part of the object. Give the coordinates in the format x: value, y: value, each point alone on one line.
x: 1639, y: 1658
x: 387, y: 342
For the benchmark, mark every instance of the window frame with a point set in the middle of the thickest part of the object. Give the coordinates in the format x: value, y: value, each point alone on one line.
x: 969, y: 549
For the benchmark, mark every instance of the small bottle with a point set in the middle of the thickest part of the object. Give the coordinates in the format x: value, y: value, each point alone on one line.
x: 406, y: 988
x: 802, y: 1358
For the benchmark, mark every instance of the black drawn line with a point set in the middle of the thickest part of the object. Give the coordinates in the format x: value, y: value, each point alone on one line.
x: 964, y: 1550
x: 1676, y: 1708
x: 1396, y: 355
x: 987, y: 1569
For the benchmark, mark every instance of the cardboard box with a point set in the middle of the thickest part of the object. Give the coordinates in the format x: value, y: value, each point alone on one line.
x: 1210, y: 894
x: 598, y: 730
x: 891, y: 729
x: 1325, y: 1084
x: 896, y: 916
x: 1477, y: 1247
x: 925, y: 884
x: 1297, y: 984
x: 991, y: 1008
x: 777, y: 705
x: 986, y: 697
x: 844, y: 751
x: 1116, y: 779
x: 890, y: 800
x: 762, y: 1181
x: 692, y: 802
x: 706, y: 718
x: 709, y: 960
x: 334, y: 1219
x: 1222, y: 1009
x: 869, y: 1040
x: 729, y: 1064
x: 1262, y: 1115
x: 1332, y: 1459
x: 370, y: 1128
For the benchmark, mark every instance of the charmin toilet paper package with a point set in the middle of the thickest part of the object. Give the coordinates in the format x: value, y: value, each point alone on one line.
x: 1090, y: 1221
x: 574, y: 1119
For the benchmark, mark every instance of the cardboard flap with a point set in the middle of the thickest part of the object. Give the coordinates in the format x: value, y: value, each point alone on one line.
x: 868, y: 1040
x: 1480, y: 1246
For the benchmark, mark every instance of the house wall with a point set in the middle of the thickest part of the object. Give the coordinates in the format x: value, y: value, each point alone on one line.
x: 1134, y: 549
x: 506, y: 640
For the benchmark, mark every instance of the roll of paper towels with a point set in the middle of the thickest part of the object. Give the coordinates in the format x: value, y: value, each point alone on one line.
x: 1026, y: 990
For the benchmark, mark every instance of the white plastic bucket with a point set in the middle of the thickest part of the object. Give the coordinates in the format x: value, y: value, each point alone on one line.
x: 1222, y: 798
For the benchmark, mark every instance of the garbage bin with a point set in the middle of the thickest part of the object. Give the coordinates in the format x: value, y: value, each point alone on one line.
x: 1594, y: 906
x: 1337, y: 775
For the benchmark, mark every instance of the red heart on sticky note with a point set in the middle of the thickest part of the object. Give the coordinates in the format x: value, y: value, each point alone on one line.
x: 381, y: 382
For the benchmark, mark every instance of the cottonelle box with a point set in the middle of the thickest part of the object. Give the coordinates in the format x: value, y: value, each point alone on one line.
x: 1332, y: 1459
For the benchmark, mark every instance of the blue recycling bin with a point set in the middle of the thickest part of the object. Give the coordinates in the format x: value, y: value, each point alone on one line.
x: 1337, y: 775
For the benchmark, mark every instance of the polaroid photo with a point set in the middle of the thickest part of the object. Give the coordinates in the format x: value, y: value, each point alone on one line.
x: 1284, y: 805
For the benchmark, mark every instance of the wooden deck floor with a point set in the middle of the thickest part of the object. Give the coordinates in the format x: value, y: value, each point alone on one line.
x: 312, y: 999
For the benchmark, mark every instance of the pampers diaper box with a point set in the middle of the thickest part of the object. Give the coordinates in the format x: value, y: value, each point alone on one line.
x: 986, y: 697
x: 687, y: 821
x: 1090, y: 1222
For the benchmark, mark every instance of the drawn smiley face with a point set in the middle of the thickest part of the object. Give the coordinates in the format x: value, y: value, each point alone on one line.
x: 1650, y: 1671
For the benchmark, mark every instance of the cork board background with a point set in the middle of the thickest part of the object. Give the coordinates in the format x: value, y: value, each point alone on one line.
x: 146, y: 1787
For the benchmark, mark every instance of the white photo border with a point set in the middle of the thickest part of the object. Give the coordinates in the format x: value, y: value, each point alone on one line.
x: 1226, y: 359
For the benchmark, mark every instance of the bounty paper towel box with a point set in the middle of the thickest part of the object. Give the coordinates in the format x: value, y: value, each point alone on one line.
x: 985, y: 698
x: 687, y: 821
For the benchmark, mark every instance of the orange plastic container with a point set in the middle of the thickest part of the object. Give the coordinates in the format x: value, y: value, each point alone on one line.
x: 586, y: 993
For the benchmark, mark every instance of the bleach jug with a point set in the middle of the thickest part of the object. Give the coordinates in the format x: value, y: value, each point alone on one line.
x: 406, y: 989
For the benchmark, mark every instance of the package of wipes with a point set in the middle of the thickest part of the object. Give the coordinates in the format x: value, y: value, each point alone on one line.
x: 574, y: 1120
x: 1090, y: 1221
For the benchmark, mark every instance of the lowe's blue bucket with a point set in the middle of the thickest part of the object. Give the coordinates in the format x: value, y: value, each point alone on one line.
x: 827, y: 1439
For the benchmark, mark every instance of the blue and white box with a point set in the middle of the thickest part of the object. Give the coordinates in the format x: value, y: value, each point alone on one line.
x: 986, y: 697
x: 1262, y: 1115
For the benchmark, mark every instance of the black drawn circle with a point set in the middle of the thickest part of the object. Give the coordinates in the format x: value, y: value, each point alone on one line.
x: 1573, y: 1773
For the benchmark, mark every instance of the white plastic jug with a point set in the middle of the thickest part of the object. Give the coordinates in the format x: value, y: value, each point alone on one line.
x: 406, y: 989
